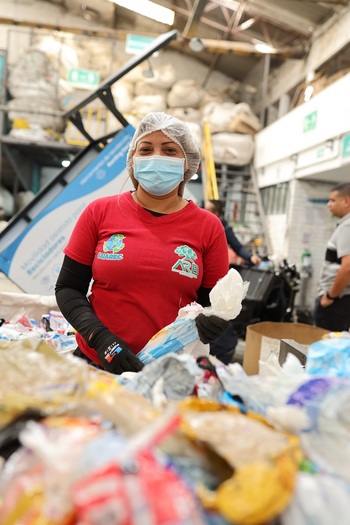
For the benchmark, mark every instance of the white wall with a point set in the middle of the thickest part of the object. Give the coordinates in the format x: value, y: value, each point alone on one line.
x: 307, y: 128
x: 277, y: 226
x: 309, y: 225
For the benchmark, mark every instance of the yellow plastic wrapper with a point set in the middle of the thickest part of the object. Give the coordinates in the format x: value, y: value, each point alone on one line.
x: 37, y: 377
x: 258, y: 492
x: 264, y: 461
x: 28, y: 510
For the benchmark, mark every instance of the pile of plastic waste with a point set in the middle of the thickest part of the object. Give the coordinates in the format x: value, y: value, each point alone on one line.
x: 187, y: 440
x: 52, y: 328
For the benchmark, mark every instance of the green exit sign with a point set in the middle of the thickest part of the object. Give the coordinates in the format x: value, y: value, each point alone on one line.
x: 135, y: 44
x: 345, y: 149
x: 310, y: 122
x: 83, y: 78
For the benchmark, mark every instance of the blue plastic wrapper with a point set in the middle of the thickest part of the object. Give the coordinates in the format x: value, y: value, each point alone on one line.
x: 172, y: 338
x: 329, y: 357
x: 182, y: 335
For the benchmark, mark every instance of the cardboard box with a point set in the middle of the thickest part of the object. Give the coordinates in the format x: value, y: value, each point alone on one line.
x: 264, y: 338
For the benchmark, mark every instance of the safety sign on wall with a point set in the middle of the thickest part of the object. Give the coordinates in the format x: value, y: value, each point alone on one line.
x: 31, y: 255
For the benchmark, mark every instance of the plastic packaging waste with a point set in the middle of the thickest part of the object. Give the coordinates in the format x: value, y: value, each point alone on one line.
x: 329, y: 357
x: 326, y: 401
x: 226, y: 302
x: 320, y: 499
x: 57, y: 322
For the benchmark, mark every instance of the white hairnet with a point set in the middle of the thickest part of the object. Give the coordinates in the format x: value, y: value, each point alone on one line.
x: 177, y: 131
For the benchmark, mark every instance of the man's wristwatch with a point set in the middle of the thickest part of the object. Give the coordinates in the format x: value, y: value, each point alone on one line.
x: 330, y: 297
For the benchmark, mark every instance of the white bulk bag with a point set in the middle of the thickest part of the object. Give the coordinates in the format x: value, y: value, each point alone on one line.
x: 186, y: 114
x: 7, y: 201
x: 143, y: 88
x: 197, y: 133
x: 60, y: 52
x: 135, y: 75
x: 245, y: 121
x: 185, y: 93
x: 145, y: 104
x: 123, y: 93
x: 33, y: 75
x: 14, y: 305
x: 230, y: 117
x: 214, y: 95
x: 219, y: 116
x: 34, y: 133
x: 36, y: 110
x: 163, y: 76
x: 232, y: 148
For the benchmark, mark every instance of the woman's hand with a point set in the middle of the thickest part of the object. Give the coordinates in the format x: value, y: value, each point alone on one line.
x: 115, y: 355
x: 210, y: 327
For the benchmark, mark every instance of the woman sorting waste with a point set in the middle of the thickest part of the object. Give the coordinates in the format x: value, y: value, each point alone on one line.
x: 134, y: 259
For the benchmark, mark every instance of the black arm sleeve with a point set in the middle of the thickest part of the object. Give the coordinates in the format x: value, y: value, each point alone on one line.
x: 71, y: 295
x: 234, y: 243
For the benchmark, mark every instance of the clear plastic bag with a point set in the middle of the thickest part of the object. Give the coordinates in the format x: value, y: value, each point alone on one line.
x: 182, y: 336
x: 329, y: 357
x: 318, y: 499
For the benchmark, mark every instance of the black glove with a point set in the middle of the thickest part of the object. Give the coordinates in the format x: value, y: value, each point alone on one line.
x: 210, y: 327
x: 115, y: 355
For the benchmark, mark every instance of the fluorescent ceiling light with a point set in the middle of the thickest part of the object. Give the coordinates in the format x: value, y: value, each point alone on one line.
x: 150, y: 9
x: 264, y: 48
x: 247, y: 24
x: 308, y: 93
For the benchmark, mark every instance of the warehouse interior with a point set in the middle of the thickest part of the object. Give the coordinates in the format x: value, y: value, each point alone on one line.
x: 264, y: 59
x: 123, y: 402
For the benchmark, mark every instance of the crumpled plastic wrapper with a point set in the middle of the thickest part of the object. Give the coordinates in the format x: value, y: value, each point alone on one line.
x: 264, y: 461
x: 169, y: 377
x: 329, y: 357
x: 227, y: 295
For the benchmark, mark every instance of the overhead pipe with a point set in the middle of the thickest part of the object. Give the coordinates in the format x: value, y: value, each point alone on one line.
x: 244, y: 48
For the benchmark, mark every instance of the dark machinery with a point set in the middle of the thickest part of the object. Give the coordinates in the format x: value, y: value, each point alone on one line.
x: 270, y: 296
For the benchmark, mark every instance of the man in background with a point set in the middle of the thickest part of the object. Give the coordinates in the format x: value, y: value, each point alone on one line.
x: 216, y: 207
x: 224, y: 346
x: 332, y: 306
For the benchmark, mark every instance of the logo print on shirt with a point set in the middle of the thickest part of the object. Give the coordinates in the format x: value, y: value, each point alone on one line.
x: 186, y: 266
x: 112, y: 247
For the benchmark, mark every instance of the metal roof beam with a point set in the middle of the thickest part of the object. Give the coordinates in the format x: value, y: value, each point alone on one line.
x: 194, y: 17
x: 329, y: 40
x: 281, y: 17
x: 332, y: 2
x: 258, y: 8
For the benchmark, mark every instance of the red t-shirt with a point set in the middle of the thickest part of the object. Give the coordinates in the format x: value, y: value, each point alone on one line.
x: 144, y: 267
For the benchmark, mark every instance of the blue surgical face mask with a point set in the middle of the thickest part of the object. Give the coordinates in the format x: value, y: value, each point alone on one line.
x: 159, y: 175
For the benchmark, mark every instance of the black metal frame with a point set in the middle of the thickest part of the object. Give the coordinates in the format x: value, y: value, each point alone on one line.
x: 270, y: 297
x: 104, y: 93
